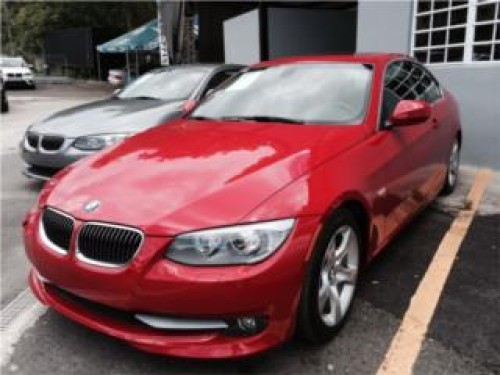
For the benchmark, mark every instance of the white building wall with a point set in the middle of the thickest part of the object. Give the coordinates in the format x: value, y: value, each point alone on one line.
x: 384, y: 26
x: 242, y: 39
x: 476, y: 89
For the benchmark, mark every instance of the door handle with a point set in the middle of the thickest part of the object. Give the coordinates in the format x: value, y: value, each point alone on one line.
x: 435, y: 123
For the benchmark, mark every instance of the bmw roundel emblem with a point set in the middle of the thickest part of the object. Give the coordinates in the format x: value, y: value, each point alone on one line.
x: 91, y: 206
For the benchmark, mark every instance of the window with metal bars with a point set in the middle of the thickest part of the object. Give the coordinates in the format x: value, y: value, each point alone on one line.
x: 456, y: 31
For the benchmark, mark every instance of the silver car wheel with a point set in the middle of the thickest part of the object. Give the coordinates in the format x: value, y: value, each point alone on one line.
x: 339, y: 274
x: 454, y: 164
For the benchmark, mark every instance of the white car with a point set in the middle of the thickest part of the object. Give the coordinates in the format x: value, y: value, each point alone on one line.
x: 119, y: 78
x: 15, y: 70
x: 116, y: 77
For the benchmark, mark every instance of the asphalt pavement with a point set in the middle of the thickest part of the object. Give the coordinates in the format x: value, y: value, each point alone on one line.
x: 462, y: 337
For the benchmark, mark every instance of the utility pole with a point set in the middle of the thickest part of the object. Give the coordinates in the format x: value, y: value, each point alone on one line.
x: 187, y: 48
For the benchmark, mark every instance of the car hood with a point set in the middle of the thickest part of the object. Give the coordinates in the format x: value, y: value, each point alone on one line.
x: 108, y: 116
x: 19, y: 69
x: 196, y: 174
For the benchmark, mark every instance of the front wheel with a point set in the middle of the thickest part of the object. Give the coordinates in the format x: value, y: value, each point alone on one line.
x: 331, y: 280
x: 452, y: 170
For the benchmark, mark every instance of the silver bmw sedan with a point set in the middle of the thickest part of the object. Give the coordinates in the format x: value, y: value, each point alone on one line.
x: 154, y: 98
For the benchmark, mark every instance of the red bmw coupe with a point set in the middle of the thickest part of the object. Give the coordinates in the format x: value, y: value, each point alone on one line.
x: 221, y: 234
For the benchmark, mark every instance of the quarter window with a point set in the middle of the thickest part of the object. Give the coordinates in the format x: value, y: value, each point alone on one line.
x: 456, y: 31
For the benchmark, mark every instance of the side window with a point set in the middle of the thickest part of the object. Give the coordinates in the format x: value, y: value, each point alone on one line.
x: 217, y: 79
x: 395, y: 76
x: 406, y: 80
x: 389, y: 102
x: 426, y: 87
x: 432, y: 91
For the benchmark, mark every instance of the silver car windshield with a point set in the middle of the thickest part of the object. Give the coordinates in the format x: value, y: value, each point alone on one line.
x: 327, y: 93
x: 12, y: 62
x: 175, y: 84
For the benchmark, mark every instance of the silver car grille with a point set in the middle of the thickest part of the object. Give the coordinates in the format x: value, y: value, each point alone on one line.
x: 108, y: 245
x: 57, y: 229
x: 44, y: 143
x: 32, y: 140
x: 97, y: 243
x: 51, y: 142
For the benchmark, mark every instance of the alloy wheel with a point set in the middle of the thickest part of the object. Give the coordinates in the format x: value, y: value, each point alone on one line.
x: 453, y: 164
x: 339, y: 274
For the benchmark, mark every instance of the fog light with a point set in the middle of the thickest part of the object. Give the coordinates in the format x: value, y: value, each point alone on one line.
x: 247, y: 324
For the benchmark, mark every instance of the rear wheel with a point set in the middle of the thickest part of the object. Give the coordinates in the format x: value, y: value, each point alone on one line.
x: 452, y: 170
x: 331, y: 280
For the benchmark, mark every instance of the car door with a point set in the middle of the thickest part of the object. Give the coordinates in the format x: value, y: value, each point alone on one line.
x: 410, y: 161
x: 439, y: 144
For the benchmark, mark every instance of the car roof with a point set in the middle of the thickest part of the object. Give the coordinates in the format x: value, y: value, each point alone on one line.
x: 207, y: 67
x: 362, y: 58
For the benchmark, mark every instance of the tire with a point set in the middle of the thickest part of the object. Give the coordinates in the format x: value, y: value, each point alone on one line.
x: 5, y: 104
x: 317, y: 324
x: 452, y: 169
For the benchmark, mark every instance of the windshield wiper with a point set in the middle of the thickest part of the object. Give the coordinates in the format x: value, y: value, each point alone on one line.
x: 263, y: 119
x: 143, y: 97
x: 202, y: 118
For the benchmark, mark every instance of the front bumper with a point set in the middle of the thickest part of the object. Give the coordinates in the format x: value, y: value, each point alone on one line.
x: 43, y: 164
x: 19, y: 80
x: 151, y: 284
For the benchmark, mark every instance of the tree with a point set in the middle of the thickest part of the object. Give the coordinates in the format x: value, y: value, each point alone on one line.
x: 24, y: 24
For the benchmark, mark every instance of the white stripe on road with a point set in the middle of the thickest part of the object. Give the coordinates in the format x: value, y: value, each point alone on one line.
x: 19, y: 315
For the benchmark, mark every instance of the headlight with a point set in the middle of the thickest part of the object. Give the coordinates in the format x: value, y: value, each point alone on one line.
x: 97, y: 142
x: 241, y: 244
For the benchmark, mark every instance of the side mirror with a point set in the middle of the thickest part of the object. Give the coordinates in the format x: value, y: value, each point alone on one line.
x: 188, y: 106
x: 410, y: 112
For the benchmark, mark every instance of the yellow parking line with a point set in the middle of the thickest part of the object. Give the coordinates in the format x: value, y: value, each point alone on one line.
x: 406, y: 344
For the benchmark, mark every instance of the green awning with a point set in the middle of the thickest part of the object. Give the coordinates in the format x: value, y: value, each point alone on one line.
x: 144, y: 38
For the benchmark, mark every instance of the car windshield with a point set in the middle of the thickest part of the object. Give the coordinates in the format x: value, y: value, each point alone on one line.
x: 334, y: 93
x: 172, y: 84
x: 12, y: 62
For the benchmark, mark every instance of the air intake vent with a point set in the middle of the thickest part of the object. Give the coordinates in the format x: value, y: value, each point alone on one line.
x: 58, y: 228
x: 108, y: 244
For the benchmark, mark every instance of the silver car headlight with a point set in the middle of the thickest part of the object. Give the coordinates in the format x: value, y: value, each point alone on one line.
x: 240, y: 244
x: 97, y: 142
